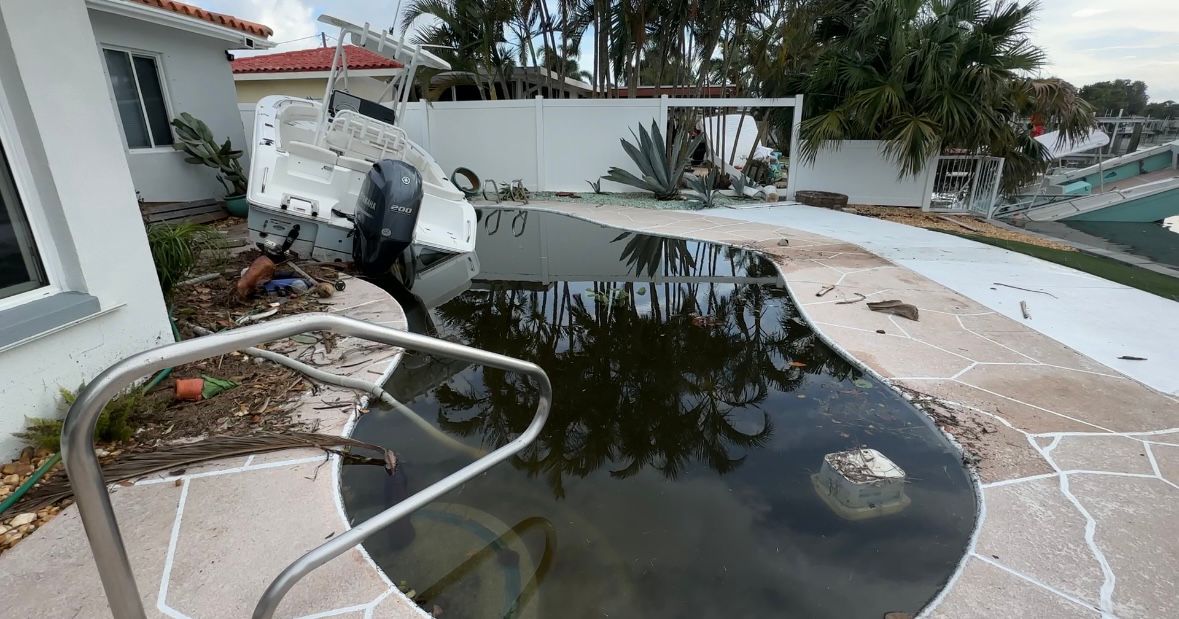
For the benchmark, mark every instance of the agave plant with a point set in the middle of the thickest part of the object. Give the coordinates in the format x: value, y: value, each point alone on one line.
x: 197, y: 141
x: 596, y: 185
x: 739, y: 183
x: 703, y: 189
x: 661, y: 165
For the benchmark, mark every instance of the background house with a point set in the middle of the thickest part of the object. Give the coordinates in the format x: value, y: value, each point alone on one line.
x: 161, y: 58
x: 78, y: 289
x: 304, y: 73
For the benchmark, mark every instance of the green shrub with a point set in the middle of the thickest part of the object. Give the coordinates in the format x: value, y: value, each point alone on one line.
x: 115, y: 422
x: 179, y: 249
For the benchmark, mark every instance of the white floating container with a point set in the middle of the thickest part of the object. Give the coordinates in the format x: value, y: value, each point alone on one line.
x: 861, y: 483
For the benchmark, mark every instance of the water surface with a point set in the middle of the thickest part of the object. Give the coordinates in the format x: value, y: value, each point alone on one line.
x: 691, y: 408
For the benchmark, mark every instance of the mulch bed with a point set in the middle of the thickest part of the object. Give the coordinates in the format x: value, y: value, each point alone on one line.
x: 956, y: 224
x: 263, y: 401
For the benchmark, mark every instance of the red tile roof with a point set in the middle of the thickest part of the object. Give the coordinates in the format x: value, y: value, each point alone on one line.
x: 221, y: 19
x: 317, y: 59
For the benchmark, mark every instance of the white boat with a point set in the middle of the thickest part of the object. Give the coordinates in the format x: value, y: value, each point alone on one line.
x: 311, y: 159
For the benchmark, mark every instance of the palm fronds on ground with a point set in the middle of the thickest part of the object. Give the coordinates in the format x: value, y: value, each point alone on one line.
x: 213, y: 448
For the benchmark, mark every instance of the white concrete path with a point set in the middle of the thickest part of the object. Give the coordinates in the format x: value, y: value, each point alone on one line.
x: 1099, y: 318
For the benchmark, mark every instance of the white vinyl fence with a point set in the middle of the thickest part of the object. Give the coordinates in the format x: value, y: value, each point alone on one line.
x: 549, y: 144
x: 965, y: 183
x: 559, y: 144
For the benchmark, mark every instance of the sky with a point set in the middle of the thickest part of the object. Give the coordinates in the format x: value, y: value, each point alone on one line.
x: 1086, y: 40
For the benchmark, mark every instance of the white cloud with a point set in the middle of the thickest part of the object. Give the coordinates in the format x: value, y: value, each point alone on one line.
x: 291, y: 20
x: 1079, y: 42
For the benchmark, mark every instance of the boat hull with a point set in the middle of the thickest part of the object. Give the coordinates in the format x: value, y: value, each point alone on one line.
x: 293, y: 180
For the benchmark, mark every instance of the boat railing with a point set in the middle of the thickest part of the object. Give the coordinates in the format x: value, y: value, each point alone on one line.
x: 357, y: 134
x: 93, y: 499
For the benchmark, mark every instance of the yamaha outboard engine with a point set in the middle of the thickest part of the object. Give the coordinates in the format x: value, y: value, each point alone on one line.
x: 386, y: 214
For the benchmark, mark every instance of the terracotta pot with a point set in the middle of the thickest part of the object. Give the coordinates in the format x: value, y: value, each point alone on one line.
x: 261, y: 270
x: 189, y: 388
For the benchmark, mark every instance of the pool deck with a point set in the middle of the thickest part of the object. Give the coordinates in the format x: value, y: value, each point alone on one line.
x: 1078, y: 459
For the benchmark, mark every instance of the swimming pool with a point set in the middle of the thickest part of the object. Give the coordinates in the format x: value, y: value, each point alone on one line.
x: 676, y: 476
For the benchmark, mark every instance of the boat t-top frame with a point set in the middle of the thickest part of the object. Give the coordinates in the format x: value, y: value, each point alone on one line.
x: 381, y: 43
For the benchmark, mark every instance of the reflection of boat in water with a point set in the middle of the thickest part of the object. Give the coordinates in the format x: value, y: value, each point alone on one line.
x: 312, y: 162
x: 428, y: 280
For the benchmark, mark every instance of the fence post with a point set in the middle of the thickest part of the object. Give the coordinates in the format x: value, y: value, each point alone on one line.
x: 795, y: 162
x: 541, y: 181
x: 995, y: 191
x: 931, y: 178
x: 663, y: 114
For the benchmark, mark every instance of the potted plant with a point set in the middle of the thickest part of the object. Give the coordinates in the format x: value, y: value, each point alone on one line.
x: 197, y: 141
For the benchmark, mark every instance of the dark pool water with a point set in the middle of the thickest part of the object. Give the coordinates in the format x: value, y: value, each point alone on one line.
x: 691, y: 407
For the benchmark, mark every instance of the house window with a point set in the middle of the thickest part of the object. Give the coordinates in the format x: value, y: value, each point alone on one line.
x: 135, y: 79
x: 20, y: 266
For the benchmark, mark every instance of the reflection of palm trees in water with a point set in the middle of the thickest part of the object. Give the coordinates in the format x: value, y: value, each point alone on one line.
x: 646, y: 375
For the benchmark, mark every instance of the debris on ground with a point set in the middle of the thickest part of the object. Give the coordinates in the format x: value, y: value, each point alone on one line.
x: 174, y: 458
x: 189, y: 389
x: 952, y: 223
x: 1132, y: 358
x: 1026, y: 289
x: 260, y: 271
x: 895, y: 307
x: 857, y: 300
x: 1023, y: 307
x: 261, y: 401
x: 967, y: 429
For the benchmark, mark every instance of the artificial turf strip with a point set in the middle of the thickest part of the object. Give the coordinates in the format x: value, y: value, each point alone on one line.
x: 1107, y: 268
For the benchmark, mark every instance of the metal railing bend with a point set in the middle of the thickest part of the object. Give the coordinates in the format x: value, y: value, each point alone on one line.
x: 94, y: 503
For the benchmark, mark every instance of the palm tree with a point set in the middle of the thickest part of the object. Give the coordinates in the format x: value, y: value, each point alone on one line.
x: 471, y: 36
x: 565, y: 65
x: 929, y: 75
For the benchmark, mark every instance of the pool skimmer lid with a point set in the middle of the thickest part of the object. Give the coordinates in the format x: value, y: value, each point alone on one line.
x: 861, y: 483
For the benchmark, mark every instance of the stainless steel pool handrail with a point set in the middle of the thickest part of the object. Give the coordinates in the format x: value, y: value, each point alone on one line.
x: 94, y: 503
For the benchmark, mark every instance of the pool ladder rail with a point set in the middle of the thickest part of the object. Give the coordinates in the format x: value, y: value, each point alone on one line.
x: 93, y: 499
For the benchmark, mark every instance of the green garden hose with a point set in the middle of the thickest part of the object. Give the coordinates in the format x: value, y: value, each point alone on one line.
x: 44, y: 468
x: 29, y: 483
x: 166, y: 372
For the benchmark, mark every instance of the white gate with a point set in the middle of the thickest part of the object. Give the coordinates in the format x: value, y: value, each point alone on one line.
x: 965, y: 183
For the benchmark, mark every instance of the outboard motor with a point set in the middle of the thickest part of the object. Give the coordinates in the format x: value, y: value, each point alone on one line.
x: 386, y: 213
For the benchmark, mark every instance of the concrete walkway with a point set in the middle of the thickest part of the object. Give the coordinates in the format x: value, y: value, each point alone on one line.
x: 1094, y: 316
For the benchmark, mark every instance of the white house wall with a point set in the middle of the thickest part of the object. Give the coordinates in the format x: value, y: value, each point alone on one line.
x: 197, y: 80
x: 860, y: 170
x: 87, y: 224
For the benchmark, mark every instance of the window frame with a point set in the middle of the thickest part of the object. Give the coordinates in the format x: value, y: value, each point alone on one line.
x: 34, y: 210
x: 158, y: 60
